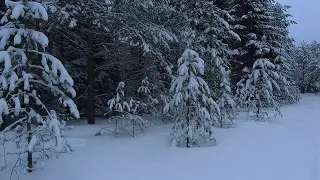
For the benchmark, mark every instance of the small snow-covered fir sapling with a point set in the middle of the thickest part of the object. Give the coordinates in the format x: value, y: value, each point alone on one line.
x: 118, y: 104
x: 225, y: 101
x: 192, y: 102
x: 126, y: 112
x: 148, y: 103
x: 27, y: 72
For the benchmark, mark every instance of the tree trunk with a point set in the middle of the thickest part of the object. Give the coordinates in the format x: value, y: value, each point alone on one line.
x: 29, y: 139
x: 90, y: 103
x: 258, y: 112
x: 29, y: 156
x: 133, y: 124
x: 188, y: 123
x: 303, y: 84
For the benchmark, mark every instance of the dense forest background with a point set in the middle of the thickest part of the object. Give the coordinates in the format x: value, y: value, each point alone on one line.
x: 195, y: 64
x: 102, y: 43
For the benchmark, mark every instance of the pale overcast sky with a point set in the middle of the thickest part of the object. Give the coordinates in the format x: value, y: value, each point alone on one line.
x: 307, y: 14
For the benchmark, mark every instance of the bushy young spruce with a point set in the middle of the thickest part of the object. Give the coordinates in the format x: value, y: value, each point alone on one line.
x: 29, y: 76
x: 118, y: 104
x: 256, y: 91
x: 192, y: 103
x: 148, y: 103
x: 259, y: 89
x: 126, y: 112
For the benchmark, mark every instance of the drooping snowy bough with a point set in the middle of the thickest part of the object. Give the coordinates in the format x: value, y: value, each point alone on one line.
x: 195, y: 109
x: 28, y: 77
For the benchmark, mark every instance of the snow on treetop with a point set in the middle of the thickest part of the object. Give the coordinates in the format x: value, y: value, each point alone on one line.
x: 190, y: 66
x: 192, y: 59
x: 121, y: 84
x: 144, y: 88
x: 23, y: 8
x: 120, y: 88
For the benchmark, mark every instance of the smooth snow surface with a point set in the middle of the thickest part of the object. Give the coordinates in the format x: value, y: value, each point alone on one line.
x: 285, y: 149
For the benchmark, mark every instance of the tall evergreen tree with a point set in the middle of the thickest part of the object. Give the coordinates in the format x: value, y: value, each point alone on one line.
x: 206, y: 29
x: 306, y: 67
x: 28, y: 75
x: 280, y: 44
x: 262, y: 26
x: 192, y: 102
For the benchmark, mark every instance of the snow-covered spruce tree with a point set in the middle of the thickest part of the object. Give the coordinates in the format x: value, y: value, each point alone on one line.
x: 148, y: 103
x: 28, y: 74
x: 279, y: 42
x: 124, y: 111
x: 192, y: 102
x: 260, y: 86
x: 226, y: 103
x: 262, y: 27
x: 289, y: 91
x: 221, y: 54
x: 118, y: 103
x: 306, y: 67
x: 207, y: 31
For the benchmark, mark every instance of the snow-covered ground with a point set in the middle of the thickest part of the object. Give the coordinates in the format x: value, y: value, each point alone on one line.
x: 285, y: 149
